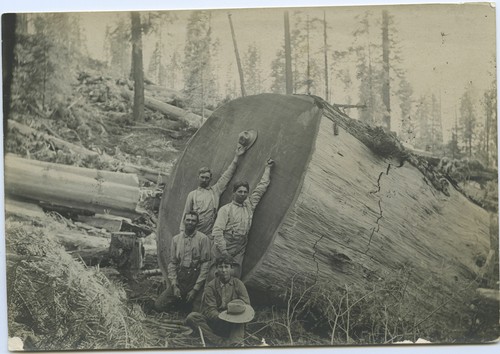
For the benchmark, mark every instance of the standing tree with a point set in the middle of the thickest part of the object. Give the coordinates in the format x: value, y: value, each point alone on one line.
x: 157, y: 23
x: 468, y: 118
x: 386, y: 84
x: 119, y: 47
x: 368, y: 73
x: 405, y: 93
x: 198, y: 76
x: 490, y: 109
x: 278, y: 84
x: 252, y: 70
x: 237, y: 55
x: 288, y: 56
x: 137, y: 67
x: 325, y: 52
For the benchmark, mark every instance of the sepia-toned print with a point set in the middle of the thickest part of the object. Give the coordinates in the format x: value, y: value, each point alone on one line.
x: 322, y: 176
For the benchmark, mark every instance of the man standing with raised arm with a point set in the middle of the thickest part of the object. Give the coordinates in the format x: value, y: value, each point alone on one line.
x: 205, y: 199
x: 234, y: 219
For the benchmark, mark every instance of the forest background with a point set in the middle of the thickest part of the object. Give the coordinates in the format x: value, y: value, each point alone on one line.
x: 433, y: 84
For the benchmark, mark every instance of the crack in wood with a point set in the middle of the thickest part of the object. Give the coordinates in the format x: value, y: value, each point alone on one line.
x: 314, y: 255
x: 377, y: 228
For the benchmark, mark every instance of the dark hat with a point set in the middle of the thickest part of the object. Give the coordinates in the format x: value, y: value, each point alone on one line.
x: 246, y: 139
x: 237, y: 312
x: 225, y: 259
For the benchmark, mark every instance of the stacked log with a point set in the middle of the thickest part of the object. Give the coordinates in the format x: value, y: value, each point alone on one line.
x: 338, y: 207
x: 73, y: 187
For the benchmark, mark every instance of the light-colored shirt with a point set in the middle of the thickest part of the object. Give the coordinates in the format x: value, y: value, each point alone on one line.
x: 205, y: 201
x: 189, y: 251
x: 230, y: 231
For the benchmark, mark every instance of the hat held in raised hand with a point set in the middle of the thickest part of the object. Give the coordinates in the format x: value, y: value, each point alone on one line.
x: 237, y: 312
x: 246, y: 139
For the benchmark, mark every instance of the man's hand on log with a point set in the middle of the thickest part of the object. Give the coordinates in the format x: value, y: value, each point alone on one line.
x: 177, y: 292
x: 190, y: 295
x: 270, y: 163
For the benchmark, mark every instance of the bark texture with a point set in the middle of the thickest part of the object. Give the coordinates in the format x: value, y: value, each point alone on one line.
x: 340, y: 207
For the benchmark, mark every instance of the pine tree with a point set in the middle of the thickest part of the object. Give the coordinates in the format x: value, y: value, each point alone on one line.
x: 252, y: 70
x: 120, y: 47
x: 468, y: 119
x: 137, y: 66
x: 278, y: 72
x: 198, y: 73
x: 405, y: 93
x: 490, y: 109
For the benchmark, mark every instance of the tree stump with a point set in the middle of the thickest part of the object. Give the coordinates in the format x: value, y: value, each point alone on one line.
x: 127, y: 251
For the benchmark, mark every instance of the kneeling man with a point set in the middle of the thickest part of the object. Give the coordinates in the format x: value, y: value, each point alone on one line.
x: 225, y: 308
x: 188, y: 267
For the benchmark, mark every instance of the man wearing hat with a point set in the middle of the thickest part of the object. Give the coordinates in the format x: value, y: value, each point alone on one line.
x: 205, y: 199
x: 188, y: 267
x: 230, y: 231
x: 225, y: 308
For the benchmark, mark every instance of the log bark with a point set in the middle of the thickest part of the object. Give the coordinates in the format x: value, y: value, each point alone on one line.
x: 105, y: 221
x: 128, y: 179
x: 173, y: 112
x: 145, y: 173
x: 23, y: 209
x: 38, y: 181
x: 335, y: 210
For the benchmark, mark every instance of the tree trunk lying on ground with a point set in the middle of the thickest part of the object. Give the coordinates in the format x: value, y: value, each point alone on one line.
x: 172, y: 112
x: 43, y: 181
x: 341, y: 208
x: 172, y: 97
x: 59, y: 143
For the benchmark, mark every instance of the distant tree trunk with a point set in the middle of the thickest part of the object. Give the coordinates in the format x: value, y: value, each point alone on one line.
x: 288, y: 57
x: 386, y: 90
x: 308, y: 60
x: 325, y: 50
x: 8, y: 45
x: 138, y: 73
x: 238, y: 61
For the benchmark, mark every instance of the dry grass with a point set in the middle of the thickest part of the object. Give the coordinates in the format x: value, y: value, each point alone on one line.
x: 64, y: 304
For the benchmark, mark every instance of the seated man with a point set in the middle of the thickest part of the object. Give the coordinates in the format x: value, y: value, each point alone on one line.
x: 225, y: 308
x: 188, y: 267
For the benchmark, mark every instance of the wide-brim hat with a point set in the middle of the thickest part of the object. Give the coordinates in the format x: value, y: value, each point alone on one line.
x: 237, y: 312
x: 246, y: 139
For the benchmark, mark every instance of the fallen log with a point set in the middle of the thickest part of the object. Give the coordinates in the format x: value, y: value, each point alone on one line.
x: 128, y: 179
x: 340, y: 208
x: 59, y: 143
x: 23, y: 209
x: 38, y: 181
x: 145, y: 173
x: 105, y: 221
x: 172, y: 112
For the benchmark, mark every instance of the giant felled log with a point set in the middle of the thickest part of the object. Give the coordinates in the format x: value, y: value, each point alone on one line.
x: 344, y: 208
x: 172, y: 111
x: 42, y: 182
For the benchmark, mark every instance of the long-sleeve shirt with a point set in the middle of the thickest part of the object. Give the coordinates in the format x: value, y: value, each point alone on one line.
x: 217, y: 295
x: 230, y: 231
x: 188, y: 251
x: 205, y: 201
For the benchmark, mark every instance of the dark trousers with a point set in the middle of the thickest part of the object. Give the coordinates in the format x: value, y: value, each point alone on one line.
x: 167, y: 301
x: 217, y: 331
x: 186, y: 278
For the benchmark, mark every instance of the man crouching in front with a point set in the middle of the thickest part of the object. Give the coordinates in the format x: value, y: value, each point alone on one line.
x: 225, y: 308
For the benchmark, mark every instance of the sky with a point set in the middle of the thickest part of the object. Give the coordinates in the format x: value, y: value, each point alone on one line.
x: 443, y: 47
